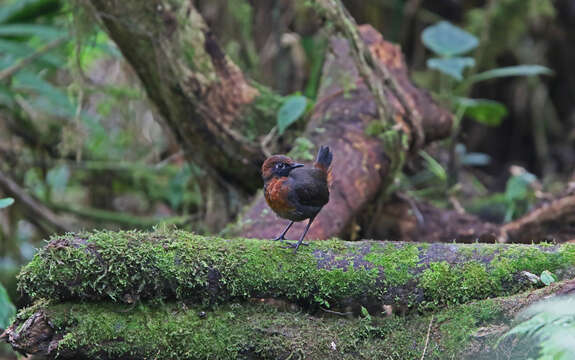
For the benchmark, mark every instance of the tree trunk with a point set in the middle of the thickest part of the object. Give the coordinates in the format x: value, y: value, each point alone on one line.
x: 132, y: 266
x: 207, y: 104
x: 216, y: 114
x: 367, y: 154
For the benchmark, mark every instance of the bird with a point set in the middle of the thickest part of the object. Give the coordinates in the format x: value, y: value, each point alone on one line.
x: 295, y: 192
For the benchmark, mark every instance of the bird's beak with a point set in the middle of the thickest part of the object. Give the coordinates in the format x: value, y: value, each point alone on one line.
x: 296, y: 165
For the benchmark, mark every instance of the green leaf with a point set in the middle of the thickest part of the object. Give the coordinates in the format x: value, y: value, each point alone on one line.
x: 7, y: 309
x: 6, y: 202
x: 547, y: 277
x: 291, y: 110
x: 519, y: 70
x: 26, y: 10
x: 486, y: 112
x: 42, y: 31
x: 475, y: 159
x: 15, y: 50
x: 445, y: 39
x: 433, y: 166
x: 451, y: 66
x: 57, y: 178
x: 51, y: 99
x: 6, y: 96
x: 518, y: 186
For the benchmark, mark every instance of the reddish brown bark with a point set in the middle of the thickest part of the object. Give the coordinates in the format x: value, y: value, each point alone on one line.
x: 423, y: 222
x: 552, y: 221
x: 340, y: 119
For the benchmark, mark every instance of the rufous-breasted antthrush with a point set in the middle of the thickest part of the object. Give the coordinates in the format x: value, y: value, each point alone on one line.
x: 295, y: 192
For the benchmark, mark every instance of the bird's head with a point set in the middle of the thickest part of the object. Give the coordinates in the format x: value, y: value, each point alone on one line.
x: 277, y: 166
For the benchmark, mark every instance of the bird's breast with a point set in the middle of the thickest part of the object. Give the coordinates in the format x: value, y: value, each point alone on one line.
x: 277, y: 196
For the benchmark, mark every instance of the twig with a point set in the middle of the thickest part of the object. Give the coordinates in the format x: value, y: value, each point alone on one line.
x: 11, y: 70
x: 427, y: 338
x: 337, y: 312
x: 38, y: 210
x: 416, y: 212
x: 266, y: 140
x: 105, y: 216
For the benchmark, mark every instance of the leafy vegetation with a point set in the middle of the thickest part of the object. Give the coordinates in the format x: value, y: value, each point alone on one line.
x: 550, y: 325
x: 7, y: 309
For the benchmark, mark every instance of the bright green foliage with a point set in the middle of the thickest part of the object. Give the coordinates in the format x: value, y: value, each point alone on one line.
x: 519, y: 194
x: 448, y: 40
x: 303, y: 149
x: 7, y: 309
x: 519, y: 70
x: 549, y: 324
x: 291, y: 110
x: 453, y: 67
x: 484, y: 111
x: 6, y: 202
x: 547, y: 277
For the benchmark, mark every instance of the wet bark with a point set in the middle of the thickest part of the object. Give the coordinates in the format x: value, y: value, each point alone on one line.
x: 208, y: 104
x: 367, y: 155
x: 205, y: 101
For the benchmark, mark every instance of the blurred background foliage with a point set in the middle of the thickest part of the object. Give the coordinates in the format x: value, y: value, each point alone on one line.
x: 77, y: 133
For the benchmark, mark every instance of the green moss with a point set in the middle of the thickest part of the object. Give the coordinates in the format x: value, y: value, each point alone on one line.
x: 374, y: 128
x: 130, y: 266
x: 260, y: 116
x: 445, y: 284
x: 458, y: 324
x: 177, y: 331
x: 399, y: 263
x: 303, y: 149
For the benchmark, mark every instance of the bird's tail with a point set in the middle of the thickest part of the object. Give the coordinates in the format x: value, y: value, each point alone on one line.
x: 324, y: 158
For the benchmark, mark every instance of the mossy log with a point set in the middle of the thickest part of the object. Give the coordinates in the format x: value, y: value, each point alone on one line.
x: 131, y: 266
x: 261, y: 331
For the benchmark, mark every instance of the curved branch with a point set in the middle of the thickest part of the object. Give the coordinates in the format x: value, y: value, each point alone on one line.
x: 202, y: 95
x: 37, y: 210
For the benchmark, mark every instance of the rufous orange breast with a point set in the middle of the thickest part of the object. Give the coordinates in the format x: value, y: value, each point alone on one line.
x: 276, y: 194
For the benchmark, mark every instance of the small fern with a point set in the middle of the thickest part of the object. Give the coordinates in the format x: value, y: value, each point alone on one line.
x: 551, y: 325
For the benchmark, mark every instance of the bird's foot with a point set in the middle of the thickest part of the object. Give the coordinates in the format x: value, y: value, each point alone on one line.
x: 279, y: 238
x: 294, y: 245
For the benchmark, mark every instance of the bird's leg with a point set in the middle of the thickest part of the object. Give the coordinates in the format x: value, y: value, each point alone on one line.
x: 281, y: 237
x: 300, y: 241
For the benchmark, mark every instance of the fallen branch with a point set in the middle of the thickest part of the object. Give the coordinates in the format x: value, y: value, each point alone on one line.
x: 179, y: 331
x: 367, y: 155
x: 549, y: 222
x: 131, y: 266
x: 121, y: 218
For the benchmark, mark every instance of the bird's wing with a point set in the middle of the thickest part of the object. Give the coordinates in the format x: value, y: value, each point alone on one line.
x: 310, y: 186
